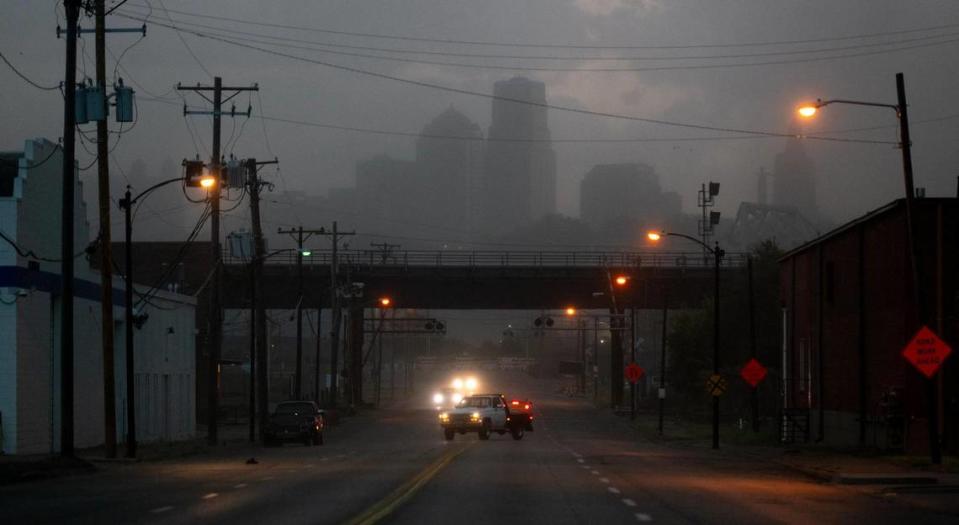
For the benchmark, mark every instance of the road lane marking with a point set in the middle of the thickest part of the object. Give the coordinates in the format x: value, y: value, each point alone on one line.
x: 160, y: 510
x: 594, y: 472
x: 628, y: 502
x: 614, y: 490
x: 268, y: 478
x: 587, y: 467
x: 239, y: 485
x: 407, y: 490
x: 210, y: 495
x: 643, y: 517
x: 604, y: 480
x: 581, y: 460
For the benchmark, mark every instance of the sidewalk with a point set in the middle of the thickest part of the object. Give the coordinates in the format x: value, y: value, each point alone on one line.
x: 233, y: 442
x: 908, y: 480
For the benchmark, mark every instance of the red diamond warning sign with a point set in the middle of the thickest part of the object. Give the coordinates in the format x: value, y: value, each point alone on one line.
x: 926, y: 352
x: 634, y: 372
x: 753, y: 372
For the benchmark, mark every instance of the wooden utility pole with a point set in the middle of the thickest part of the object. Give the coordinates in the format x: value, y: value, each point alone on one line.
x: 300, y: 236
x: 72, y: 11
x: 335, y: 315
x: 259, y: 356
x: 215, y: 333
x: 106, y: 258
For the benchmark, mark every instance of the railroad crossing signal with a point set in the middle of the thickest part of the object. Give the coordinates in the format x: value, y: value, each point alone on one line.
x: 926, y: 352
x: 634, y: 372
x: 715, y: 385
x: 753, y: 372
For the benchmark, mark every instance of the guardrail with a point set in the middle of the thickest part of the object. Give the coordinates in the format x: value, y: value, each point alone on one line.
x: 515, y: 259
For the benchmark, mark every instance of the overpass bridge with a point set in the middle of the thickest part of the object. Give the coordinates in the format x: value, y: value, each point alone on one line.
x: 490, y: 280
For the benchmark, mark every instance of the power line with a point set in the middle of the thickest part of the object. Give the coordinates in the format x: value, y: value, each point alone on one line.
x: 555, y: 107
x: 25, y: 78
x: 563, y: 45
x: 230, y: 39
x: 183, y: 40
x: 325, y: 47
x: 820, y: 135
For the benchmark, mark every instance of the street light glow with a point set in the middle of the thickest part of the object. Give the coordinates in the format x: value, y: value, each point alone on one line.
x: 385, y: 301
x: 570, y: 311
x: 653, y: 236
x: 621, y: 280
x: 207, y: 181
x: 808, y: 111
x: 306, y: 253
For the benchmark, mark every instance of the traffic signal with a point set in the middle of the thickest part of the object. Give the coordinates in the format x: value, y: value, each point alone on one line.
x: 539, y: 322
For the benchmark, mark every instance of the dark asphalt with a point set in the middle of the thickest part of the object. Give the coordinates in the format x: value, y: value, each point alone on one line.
x: 579, y: 466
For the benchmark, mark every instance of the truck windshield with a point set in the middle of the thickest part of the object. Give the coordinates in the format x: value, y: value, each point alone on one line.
x: 475, y: 402
x: 294, y: 408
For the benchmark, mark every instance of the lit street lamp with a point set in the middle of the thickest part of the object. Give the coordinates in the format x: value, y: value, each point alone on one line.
x: 905, y: 145
x: 717, y: 253
x: 126, y: 203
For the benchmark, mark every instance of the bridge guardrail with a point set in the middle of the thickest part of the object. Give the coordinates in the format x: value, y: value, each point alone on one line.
x: 490, y: 258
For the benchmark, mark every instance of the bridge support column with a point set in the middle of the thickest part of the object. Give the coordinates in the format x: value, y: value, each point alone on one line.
x: 356, y: 356
x: 617, y: 323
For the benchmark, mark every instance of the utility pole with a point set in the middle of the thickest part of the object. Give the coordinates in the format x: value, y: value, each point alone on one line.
x: 385, y: 248
x: 106, y: 266
x: 662, y: 360
x: 259, y: 358
x: 298, y: 235
x: 72, y: 12
x: 335, y: 315
x: 215, y: 334
x: 316, y: 364
x: 754, y: 395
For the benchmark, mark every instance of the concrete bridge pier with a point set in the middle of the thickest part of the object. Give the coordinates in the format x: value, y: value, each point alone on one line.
x: 617, y: 325
x: 354, y: 364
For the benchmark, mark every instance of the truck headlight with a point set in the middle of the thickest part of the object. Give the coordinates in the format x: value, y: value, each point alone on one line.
x: 438, y: 398
x: 475, y: 416
x: 444, y: 417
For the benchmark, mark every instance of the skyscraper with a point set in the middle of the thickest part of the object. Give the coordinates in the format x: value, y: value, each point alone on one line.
x: 448, y: 170
x: 795, y: 180
x: 520, y: 180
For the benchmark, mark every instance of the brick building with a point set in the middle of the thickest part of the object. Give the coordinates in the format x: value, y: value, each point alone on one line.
x: 848, y: 310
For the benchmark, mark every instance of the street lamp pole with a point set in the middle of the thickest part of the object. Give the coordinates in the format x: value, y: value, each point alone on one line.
x: 717, y: 254
x: 126, y: 203
x: 905, y: 145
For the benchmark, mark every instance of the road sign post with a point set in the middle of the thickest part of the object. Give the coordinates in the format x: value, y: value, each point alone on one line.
x: 926, y: 351
x: 753, y: 373
x: 634, y: 372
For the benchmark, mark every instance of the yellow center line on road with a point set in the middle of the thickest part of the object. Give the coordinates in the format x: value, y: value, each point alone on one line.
x: 404, y: 492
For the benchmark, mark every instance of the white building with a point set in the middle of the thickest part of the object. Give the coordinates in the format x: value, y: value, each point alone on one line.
x: 164, y: 360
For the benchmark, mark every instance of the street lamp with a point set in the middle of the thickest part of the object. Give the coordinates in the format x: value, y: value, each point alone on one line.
x: 718, y: 254
x: 905, y: 145
x: 126, y: 203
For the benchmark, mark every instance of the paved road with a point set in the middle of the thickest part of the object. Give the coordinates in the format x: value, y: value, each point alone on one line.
x: 579, y: 466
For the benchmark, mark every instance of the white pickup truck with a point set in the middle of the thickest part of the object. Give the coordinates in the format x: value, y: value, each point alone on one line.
x: 483, y: 414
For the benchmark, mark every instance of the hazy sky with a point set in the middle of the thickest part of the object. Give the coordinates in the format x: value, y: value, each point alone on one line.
x: 852, y: 177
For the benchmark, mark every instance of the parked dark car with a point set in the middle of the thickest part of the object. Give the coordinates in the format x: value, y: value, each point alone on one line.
x: 299, y: 421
